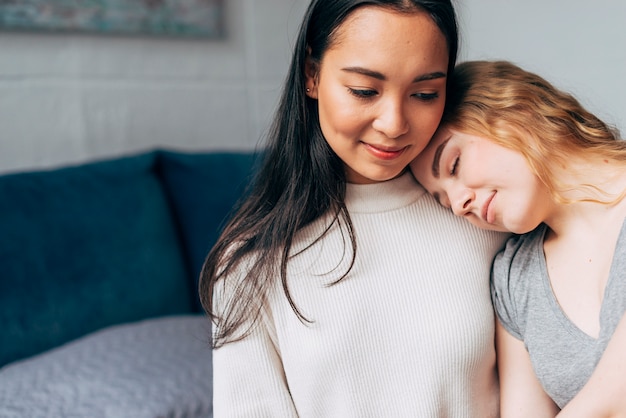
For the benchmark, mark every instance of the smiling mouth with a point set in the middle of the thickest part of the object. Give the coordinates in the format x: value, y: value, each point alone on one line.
x: 488, y: 215
x: 384, y: 153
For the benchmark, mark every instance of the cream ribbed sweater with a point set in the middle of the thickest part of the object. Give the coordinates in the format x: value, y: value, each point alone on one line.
x: 409, y: 333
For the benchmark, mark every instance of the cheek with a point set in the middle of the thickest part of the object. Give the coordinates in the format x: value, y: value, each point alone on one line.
x: 431, y: 118
x: 425, y: 121
x: 339, y: 116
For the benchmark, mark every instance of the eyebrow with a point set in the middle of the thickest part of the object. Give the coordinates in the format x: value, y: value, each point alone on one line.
x: 437, y: 157
x: 380, y: 76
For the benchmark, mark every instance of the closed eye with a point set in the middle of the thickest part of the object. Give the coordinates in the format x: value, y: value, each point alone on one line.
x: 455, y: 166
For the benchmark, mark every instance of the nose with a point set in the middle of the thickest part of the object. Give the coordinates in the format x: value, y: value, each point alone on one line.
x: 461, y: 200
x: 391, y: 121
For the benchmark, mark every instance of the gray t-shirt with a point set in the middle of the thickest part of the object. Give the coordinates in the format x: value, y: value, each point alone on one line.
x: 563, y: 356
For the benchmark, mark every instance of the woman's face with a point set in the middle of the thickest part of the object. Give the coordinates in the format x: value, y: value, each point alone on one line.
x: 491, y: 186
x: 381, y: 90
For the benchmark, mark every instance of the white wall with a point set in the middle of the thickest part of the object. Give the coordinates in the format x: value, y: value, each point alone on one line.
x: 71, y: 98
x: 578, y: 45
x: 68, y: 98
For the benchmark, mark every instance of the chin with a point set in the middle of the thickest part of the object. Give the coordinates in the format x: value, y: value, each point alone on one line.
x: 497, y: 228
x: 381, y: 177
x: 519, y: 229
x: 491, y: 227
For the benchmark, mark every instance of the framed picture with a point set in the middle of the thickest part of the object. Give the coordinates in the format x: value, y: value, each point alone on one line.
x: 186, y: 18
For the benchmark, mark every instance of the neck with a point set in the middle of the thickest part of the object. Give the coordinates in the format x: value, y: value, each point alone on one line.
x: 597, y: 195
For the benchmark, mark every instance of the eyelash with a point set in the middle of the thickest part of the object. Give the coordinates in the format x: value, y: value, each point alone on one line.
x: 362, y: 94
x: 368, y: 94
x: 427, y: 96
x: 455, y: 166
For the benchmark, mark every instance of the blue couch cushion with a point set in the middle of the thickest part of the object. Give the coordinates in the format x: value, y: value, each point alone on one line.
x: 203, y: 189
x: 85, y: 247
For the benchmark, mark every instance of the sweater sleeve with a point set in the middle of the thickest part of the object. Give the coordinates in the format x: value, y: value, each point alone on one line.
x: 248, y: 379
x: 248, y: 376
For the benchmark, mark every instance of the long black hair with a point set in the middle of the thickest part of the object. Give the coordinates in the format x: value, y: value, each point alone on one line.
x: 299, y: 180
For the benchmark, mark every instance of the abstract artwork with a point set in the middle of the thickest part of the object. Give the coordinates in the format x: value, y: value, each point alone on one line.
x: 190, y: 18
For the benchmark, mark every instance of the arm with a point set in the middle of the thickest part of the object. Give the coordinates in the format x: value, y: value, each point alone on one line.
x: 604, y: 395
x: 521, y: 394
x: 248, y: 379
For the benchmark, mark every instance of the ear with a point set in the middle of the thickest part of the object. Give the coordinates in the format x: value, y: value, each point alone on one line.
x: 311, y: 73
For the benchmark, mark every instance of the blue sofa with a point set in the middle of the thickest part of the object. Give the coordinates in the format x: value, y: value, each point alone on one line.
x: 99, y: 312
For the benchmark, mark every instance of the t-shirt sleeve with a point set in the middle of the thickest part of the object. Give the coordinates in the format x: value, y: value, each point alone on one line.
x: 503, y: 288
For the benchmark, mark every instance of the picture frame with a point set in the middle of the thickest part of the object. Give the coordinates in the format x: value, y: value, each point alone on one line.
x: 173, y: 18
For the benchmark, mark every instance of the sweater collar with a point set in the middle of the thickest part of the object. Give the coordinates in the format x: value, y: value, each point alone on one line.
x: 384, y: 196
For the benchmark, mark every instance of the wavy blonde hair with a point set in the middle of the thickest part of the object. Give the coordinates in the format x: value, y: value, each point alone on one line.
x: 522, y: 111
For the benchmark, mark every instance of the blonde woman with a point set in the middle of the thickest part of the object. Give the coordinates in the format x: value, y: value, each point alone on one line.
x: 513, y: 153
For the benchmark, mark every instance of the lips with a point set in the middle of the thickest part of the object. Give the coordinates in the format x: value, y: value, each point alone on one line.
x: 488, y: 214
x: 385, y: 153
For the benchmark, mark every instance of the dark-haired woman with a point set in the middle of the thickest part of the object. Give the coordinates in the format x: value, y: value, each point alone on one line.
x: 340, y: 288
